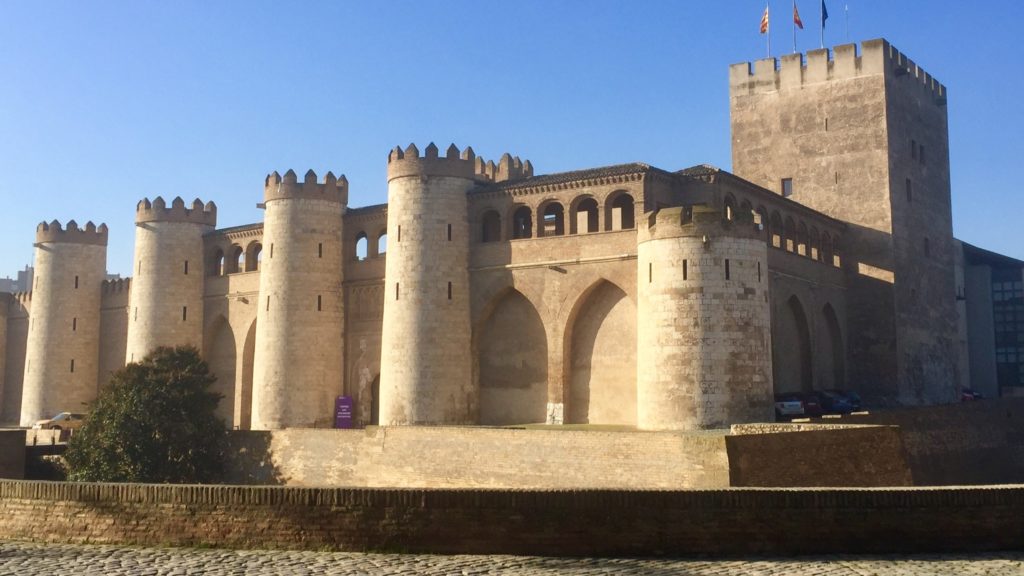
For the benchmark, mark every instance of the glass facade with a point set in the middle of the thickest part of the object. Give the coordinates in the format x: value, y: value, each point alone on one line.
x: 1008, y: 311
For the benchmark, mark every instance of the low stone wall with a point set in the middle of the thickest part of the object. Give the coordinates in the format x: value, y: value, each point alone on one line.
x: 563, y: 523
x: 12, y: 454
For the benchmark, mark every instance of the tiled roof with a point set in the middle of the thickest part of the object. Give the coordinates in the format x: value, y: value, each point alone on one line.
x: 574, y: 176
x: 700, y: 170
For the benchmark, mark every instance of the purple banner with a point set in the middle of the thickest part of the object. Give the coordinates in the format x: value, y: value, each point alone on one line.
x: 343, y: 412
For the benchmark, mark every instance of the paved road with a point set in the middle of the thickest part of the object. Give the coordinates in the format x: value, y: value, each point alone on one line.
x: 18, y: 558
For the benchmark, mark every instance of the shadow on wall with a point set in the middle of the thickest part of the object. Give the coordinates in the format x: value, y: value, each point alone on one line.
x: 248, y: 460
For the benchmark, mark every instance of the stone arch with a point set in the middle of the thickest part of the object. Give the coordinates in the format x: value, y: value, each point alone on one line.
x: 550, y: 219
x: 619, y: 211
x: 836, y: 259
x: 253, y: 256
x: 776, y: 230
x: 490, y: 226
x: 831, y: 352
x: 382, y: 242
x: 220, y: 354
x: 362, y: 246
x: 791, y: 348
x: 236, y: 260
x: 217, y: 265
x: 814, y: 249
x: 826, y: 248
x: 512, y: 362
x: 522, y: 222
x: 600, y: 361
x: 761, y: 224
x: 584, y: 215
x: 789, y: 245
x: 801, y: 239
x: 729, y: 208
x: 243, y: 405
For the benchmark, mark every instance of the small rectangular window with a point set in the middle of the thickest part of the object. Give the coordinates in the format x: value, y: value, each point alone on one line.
x: 320, y: 250
x: 396, y: 290
x: 186, y: 267
x: 72, y: 365
x: 76, y: 282
x: 271, y: 250
x: 910, y: 190
x: 399, y: 235
x: 184, y: 313
x: 650, y: 272
x: 726, y: 268
x: 319, y: 303
x: 268, y: 304
x: 449, y: 290
x: 449, y: 232
x: 787, y: 187
x: 685, y: 270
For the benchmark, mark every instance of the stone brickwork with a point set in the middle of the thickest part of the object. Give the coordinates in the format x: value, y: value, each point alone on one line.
x: 562, y: 523
x: 62, y: 350
x: 166, y: 302
x: 298, y: 368
x: 17, y: 341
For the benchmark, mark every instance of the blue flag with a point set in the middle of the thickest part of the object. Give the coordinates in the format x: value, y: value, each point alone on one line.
x: 824, y: 13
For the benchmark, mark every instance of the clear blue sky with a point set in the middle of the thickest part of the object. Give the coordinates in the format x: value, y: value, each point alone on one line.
x: 104, y: 103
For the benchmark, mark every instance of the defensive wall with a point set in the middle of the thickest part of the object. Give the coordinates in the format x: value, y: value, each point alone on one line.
x: 562, y: 523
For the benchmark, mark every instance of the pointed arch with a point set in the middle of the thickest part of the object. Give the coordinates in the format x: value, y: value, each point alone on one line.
x: 243, y: 403
x: 832, y: 352
x: 511, y: 352
x: 220, y: 354
x: 600, y: 357
x: 791, y: 348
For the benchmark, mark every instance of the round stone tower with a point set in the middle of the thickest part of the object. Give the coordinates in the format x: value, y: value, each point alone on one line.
x: 299, y: 320
x: 62, y: 350
x: 166, y: 301
x: 426, y: 368
x: 703, y: 343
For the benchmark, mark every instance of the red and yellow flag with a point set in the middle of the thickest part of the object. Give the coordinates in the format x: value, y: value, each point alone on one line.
x: 764, y: 21
x: 796, y: 17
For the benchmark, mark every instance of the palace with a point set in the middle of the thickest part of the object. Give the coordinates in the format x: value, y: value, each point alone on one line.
x: 482, y: 293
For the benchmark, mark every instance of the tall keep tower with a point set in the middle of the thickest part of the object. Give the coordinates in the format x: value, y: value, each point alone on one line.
x: 703, y: 340
x: 426, y: 370
x: 62, y: 351
x: 299, y: 319
x: 864, y: 139
x: 166, y: 302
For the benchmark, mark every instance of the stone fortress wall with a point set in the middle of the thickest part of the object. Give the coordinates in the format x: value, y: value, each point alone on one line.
x: 494, y: 296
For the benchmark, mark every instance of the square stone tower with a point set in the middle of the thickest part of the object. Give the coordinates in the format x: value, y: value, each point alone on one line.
x: 864, y: 138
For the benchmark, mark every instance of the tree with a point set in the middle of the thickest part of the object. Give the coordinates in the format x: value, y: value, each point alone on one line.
x: 154, y: 422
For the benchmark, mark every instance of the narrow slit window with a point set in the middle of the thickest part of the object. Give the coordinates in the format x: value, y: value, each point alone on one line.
x: 268, y: 304
x: 76, y: 282
x: 319, y: 303
x: 399, y: 235
x: 72, y: 365
x: 826, y: 124
x: 758, y: 271
x: 186, y: 267
x: 449, y: 290
x: 787, y: 187
x: 685, y: 269
x: 396, y: 290
x: 726, y: 268
x: 184, y: 313
x: 74, y: 324
x: 650, y: 272
x: 136, y: 317
x: 320, y: 250
x: 837, y: 177
x: 449, y: 232
x: 271, y: 250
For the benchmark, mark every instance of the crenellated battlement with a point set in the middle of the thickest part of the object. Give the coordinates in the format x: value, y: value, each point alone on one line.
x: 117, y: 286
x: 464, y: 164
x: 277, y: 187
x: 876, y: 57
x: 157, y: 211
x: 71, y: 234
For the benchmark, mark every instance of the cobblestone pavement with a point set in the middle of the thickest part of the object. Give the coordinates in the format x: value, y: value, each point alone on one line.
x: 20, y: 558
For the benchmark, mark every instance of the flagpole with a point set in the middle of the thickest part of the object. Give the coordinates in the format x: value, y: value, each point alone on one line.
x: 767, y: 11
x: 794, y: 26
x: 846, y: 13
x: 822, y: 20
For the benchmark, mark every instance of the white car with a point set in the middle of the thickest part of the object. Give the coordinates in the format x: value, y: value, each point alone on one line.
x: 62, y: 421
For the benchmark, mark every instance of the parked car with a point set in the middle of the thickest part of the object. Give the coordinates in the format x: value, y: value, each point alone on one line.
x: 968, y: 395
x: 62, y: 421
x: 838, y: 402
x: 812, y: 404
x: 788, y: 406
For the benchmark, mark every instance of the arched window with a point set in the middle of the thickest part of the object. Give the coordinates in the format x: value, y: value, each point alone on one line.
x: 253, y: 255
x: 362, y: 245
x: 746, y: 211
x: 218, y: 263
x: 619, y: 212
x: 790, y: 233
x: 761, y: 223
x: 236, y: 262
x: 584, y: 218
x: 729, y: 208
x: 815, y: 244
x: 552, y: 220
x: 836, y: 260
x: 801, y: 239
x: 382, y: 242
x: 826, y: 248
x: 490, y: 228
x: 776, y: 231
x: 522, y: 223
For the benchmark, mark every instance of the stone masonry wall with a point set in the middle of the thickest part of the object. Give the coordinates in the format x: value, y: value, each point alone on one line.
x: 562, y: 523
x: 14, y: 369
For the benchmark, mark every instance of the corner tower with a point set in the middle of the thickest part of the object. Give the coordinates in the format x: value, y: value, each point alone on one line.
x: 703, y: 343
x: 426, y: 370
x: 299, y: 319
x: 864, y: 138
x: 166, y: 301
x: 62, y: 350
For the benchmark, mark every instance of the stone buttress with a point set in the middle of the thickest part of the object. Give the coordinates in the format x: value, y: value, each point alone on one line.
x: 62, y: 358
x: 300, y: 313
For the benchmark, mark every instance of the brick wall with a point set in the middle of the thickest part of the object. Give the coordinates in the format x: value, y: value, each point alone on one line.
x: 563, y: 523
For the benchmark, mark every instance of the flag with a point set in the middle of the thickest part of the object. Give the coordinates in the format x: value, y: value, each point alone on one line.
x: 824, y: 13
x: 764, y: 20
x: 796, y: 17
